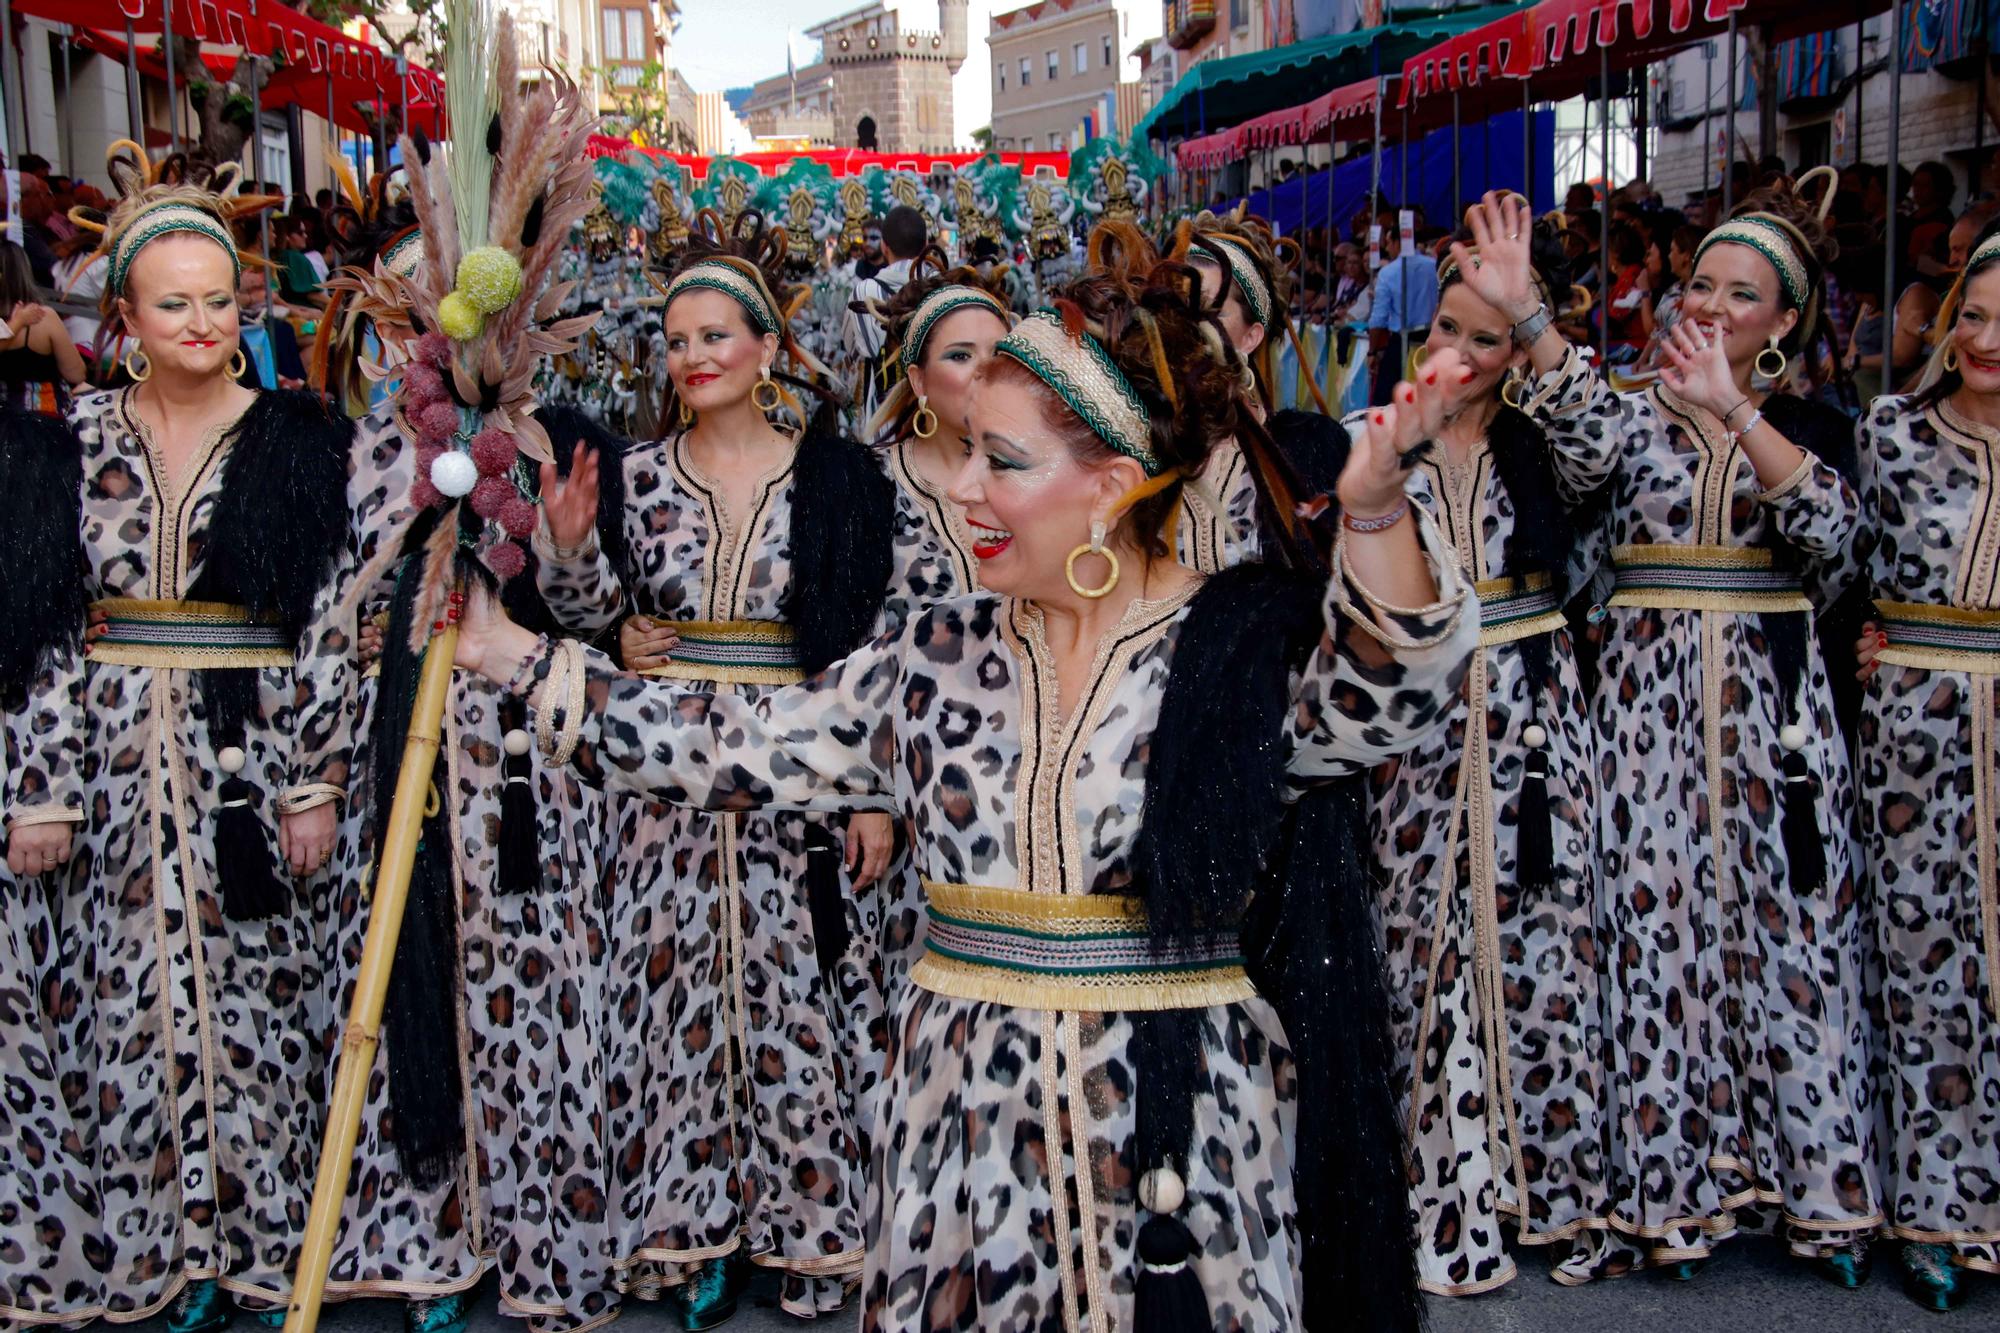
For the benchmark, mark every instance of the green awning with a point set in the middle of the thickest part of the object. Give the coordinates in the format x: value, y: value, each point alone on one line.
x: 1216, y: 94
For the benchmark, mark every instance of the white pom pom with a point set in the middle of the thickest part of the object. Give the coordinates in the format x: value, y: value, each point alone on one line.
x: 230, y: 759
x: 1161, y: 1190
x: 1534, y: 736
x: 454, y: 474
x: 517, y: 742
x: 1792, y: 736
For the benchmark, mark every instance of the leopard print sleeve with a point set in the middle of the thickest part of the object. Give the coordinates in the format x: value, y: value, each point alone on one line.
x: 1819, y: 513
x: 1382, y: 676
x: 1586, y: 422
x: 824, y: 744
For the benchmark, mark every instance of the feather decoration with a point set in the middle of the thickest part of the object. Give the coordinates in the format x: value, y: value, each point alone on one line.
x: 472, y: 90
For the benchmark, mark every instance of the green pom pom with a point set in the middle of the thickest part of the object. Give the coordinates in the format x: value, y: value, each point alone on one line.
x: 459, y: 318
x: 489, y: 278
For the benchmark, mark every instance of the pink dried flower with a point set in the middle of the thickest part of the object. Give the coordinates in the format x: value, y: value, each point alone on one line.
x: 434, y: 347
x: 437, y: 423
x: 491, y: 495
x: 422, y: 383
x: 424, y: 495
x: 518, y: 516
x: 505, y: 559
x: 493, y: 451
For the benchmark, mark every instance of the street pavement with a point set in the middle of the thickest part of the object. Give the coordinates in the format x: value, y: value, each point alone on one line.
x: 1751, y: 1287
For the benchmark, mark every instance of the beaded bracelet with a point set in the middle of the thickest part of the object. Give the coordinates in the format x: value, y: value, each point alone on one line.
x: 1748, y: 426
x: 1380, y: 523
x: 517, y: 684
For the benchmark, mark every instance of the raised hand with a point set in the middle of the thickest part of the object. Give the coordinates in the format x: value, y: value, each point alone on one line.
x: 1697, y: 369
x: 1503, y: 277
x: 1380, y: 457
x: 569, y: 504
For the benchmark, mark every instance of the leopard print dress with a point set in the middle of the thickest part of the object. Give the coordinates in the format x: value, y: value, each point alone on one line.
x: 1002, y: 1188
x: 165, y: 1085
x: 1494, y: 997
x: 730, y: 1089
x: 1928, y: 829
x: 1737, y: 1036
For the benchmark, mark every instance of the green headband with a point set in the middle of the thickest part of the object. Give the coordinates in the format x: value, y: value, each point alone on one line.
x: 163, y: 219
x: 724, y: 278
x: 934, y: 308
x: 1771, y: 239
x: 1988, y: 249
x: 1084, y: 377
x: 1235, y: 259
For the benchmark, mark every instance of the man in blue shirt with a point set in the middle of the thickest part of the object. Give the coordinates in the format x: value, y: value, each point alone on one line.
x: 1406, y: 288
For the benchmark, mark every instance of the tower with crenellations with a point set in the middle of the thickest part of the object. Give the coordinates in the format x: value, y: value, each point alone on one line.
x: 892, y: 82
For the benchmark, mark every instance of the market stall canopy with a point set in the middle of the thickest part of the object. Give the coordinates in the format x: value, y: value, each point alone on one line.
x: 1234, y: 89
x: 1293, y: 125
x: 302, y: 45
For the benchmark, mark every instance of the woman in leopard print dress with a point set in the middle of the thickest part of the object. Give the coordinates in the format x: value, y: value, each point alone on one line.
x: 732, y: 1117
x: 165, y: 1083
x: 1013, y: 730
x: 1927, y: 783
x: 1737, y: 1034
x: 1493, y: 953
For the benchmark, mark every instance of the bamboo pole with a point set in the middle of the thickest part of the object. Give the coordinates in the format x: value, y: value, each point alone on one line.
x: 371, y: 986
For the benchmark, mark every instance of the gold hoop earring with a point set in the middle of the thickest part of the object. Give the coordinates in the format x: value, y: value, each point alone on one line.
x: 687, y: 416
x: 1510, y: 389
x: 238, y: 364
x: 1418, y: 355
x: 1950, y: 361
x: 1095, y: 546
x: 145, y: 369
x: 924, y: 415
x: 1783, y: 362
x: 757, y: 394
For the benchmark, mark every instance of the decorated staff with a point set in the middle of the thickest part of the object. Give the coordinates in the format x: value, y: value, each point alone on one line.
x: 493, y: 214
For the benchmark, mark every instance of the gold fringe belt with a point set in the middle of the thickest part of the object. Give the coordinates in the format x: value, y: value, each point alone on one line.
x: 1704, y: 578
x: 1068, y: 951
x: 146, y: 633
x: 1940, y: 638
x: 1511, y: 609
x: 733, y: 652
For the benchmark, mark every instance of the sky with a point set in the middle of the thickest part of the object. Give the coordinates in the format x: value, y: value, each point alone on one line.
x: 724, y: 44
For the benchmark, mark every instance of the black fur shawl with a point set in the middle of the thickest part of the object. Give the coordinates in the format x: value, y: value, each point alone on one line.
x: 1216, y: 831
x: 41, y: 598
x: 843, y: 515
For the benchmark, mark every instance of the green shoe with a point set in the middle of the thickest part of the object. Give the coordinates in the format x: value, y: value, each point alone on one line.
x: 1687, y: 1269
x: 1848, y: 1266
x: 708, y: 1299
x: 271, y: 1318
x: 1931, y: 1279
x: 440, y: 1314
x: 201, y: 1307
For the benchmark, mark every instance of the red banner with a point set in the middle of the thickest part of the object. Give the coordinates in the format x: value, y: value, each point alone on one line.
x: 840, y: 161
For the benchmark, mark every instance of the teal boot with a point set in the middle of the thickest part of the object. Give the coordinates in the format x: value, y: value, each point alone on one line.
x: 1931, y: 1279
x: 201, y: 1307
x: 1848, y: 1266
x: 440, y: 1314
x: 708, y: 1299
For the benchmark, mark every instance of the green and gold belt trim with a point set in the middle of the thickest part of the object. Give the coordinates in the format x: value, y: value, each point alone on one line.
x: 1068, y: 951
x: 1511, y: 609
x: 1940, y: 638
x: 733, y: 652
x: 1704, y: 578
x: 141, y: 632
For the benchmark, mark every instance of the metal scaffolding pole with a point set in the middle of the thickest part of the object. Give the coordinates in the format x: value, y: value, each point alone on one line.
x: 7, y: 89
x: 173, y: 86
x: 1528, y: 144
x: 1457, y: 192
x: 1889, y: 222
x: 1729, y: 157
x: 257, y: 166
x: 1707, y: 106
x: 1604, y: 212
x: 69, y: 105
x: 132, y: 116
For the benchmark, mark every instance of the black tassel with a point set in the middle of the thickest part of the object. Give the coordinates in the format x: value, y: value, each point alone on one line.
x: 843, y: 507
x: 531, y: 226
x: 1167, y: 1297
x: 1804, y: 850
x: 1534, y: 838
x: 520, y: 849
x: 825, y: 899
x: 245, y: 861
x: 493, y: 135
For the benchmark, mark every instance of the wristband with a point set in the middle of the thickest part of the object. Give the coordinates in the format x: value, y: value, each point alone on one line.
x: 1380, y: 523
x: 1531, y: 328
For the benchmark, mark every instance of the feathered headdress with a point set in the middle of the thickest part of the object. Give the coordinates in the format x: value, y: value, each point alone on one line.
x: 471, y: 325
x: 144, y: 185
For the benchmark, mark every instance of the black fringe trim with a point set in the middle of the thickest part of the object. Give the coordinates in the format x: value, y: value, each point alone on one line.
x: 843, y: 514
x: 42, y: 596
x: 1217, y: 832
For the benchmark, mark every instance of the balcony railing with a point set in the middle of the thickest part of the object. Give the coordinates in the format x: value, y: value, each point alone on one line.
x: 1188, y: 21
